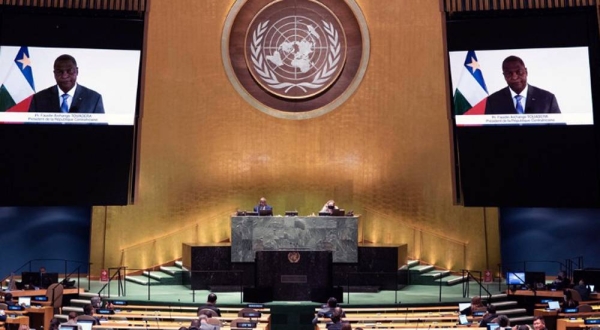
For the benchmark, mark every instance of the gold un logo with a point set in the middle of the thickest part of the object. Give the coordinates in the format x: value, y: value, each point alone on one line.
x: 295, y: 59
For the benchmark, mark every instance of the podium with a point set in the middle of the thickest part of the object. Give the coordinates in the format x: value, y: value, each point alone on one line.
x: 294, y: 275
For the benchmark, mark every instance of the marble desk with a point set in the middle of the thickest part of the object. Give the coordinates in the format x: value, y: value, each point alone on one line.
x: 302, y: 233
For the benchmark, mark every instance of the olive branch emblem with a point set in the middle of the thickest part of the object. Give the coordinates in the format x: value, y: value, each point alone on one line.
x: 320, y: 78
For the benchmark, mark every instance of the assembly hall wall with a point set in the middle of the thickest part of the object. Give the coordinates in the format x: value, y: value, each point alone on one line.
x: 205, y: 152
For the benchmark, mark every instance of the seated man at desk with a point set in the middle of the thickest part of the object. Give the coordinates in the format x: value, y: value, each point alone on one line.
x: 263, y: 206
x: 329, y: 207
x: 327, y: 310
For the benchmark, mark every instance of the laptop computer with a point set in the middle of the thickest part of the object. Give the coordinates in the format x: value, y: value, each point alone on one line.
x: 553, y: 305
x: 25, y: 301
x: 67, y: 327
x: 463, y: 320
x: 492, y: 326
x: 85, y: 324
x: 462, y: 307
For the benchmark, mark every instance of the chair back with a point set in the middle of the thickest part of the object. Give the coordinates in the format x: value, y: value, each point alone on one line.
x: 214, y: 321
x: 575, y: 295
x: 55, y: 294
x: 208, y: 311
x: 3, y: 306
x: 585, y: 308
x: 87, y: 318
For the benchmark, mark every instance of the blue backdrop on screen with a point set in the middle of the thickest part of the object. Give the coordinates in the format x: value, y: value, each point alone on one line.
x: 545, y: 236
x: 44, y: 233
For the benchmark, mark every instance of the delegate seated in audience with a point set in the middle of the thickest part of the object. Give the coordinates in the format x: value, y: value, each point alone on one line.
x: 489, y: 316
x: 88, y: 314
x: 328, y: 308
x: 539, y: 323
x: 568, y: 302
x: 503, y: 321
x: 72, y: 320
x: 584, y: 290
x: 211, y: 303
x: 54, y: 324
x: 8, y: 299
x: 561, y: 281
x: 346, y: 326
x: 476, y: 306
x: 336, y: 320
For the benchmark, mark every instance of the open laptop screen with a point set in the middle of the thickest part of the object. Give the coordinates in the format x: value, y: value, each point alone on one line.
x: 25, y: 301
x: 553, y: 305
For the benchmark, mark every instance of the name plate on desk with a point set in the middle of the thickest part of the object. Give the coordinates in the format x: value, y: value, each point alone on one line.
x: 250, y: 234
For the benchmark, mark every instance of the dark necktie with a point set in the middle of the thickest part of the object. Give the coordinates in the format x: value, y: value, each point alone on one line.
x: 519, y: 106
x: 64, y: 106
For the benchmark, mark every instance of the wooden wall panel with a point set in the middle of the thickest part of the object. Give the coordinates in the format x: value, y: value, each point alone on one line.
x: 205, y: 152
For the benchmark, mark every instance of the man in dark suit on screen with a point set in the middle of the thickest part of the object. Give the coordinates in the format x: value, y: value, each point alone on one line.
x: 519, y: 97
x: 66, y: 96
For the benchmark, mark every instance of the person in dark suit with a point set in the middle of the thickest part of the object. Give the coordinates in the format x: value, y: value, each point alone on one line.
x: 489, y: 316
x: 262, y: 205
x: 66, y: 95
x: 519, y: 97
x: 211, y: 303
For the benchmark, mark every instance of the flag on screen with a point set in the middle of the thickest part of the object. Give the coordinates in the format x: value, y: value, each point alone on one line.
x: 471, y: 93
x: 17, y: 87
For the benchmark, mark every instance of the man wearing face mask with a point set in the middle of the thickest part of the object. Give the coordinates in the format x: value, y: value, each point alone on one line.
x: 329, y: 207
x: 66, y: 96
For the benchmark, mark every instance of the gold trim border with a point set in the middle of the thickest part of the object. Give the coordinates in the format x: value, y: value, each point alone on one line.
x: 364, y: 61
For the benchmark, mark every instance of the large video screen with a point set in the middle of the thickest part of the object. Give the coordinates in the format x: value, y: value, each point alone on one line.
x: 558, y: 92
x: 27, y: 73
x: 78, y: 148
x: 524, y: 92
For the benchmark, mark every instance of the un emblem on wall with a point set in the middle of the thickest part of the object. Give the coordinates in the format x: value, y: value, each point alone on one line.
x: 295, y: 59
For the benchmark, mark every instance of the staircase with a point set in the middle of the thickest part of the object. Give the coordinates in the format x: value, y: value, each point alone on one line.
x: 428, y: 275
x: 166, y: 275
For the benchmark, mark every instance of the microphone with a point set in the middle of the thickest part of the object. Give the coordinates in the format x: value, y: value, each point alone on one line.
x: 146, y: 323
x: 418, y: 322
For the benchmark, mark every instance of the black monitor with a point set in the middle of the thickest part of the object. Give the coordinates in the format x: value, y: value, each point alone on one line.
x: 265, y: 213
x: 535, y: 280
x: 48, y: 278
x: 30, y: 279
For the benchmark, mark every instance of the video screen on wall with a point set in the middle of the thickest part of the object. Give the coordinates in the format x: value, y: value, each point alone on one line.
x: 69, y: 105
x: 29, y: 71
x: 524, y: 91
x: 558, y: 92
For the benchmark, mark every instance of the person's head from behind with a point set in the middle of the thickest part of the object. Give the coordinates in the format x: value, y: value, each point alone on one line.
x: 336, y: 316
x: 73, y: 316
x: 195, y: 323
x: 88, y: 309
x: 212, y: 298
x: 476, y: 301
x: 581, y: 282
x: 491, y: 309
x: 65, y: 72
x: 54, y: 324
x: 503, y: 321
x: 346, y: 326
x: 42, y: 269
x: 523, y: 327
x: 538, y: 323
x: 332, y: 302
x: 8, y: 297
x: 515, y: 73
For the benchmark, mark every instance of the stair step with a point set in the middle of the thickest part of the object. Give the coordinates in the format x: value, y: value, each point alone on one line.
x: 80, y: 301
x: 72, y: 309
x: 90, y: 295
x: 436, y: 273
x: 422, y: 269
x: 521, y: 319
x: 504, y: 304
x: 179, y: 263
x: 171, y: 270
x: 452, y: 279
x: 514, y: 311
x: 158, y: 275
x: 413, y: 263
x: 143, y: 280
